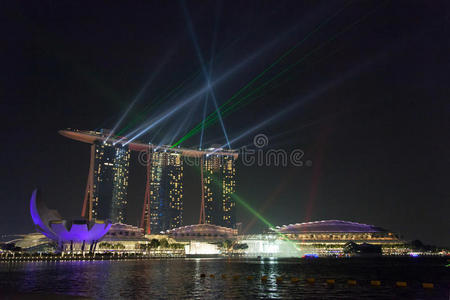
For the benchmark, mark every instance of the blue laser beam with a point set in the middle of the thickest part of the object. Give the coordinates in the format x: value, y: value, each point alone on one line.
x: 155, y: 134
x: 141, y: 93
x: 211, y: 60
x: 150, y: 124
x: 162, y: 117
x: 301, y: 101
x: 205, y: 72
x: 205, y: 105
x: 183, y: 124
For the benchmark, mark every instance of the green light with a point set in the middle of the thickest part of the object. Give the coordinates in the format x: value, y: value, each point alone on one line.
x: 254, y: 212
x: 207, y: 122
x: 164, y: 96
x: 210, y: 119
x: 262, y: 219
x: 227, y: 111
x: 278, y: 60
x: 155, y: 103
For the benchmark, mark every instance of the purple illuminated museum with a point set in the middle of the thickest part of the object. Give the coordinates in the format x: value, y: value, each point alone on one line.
x: 73, y: 235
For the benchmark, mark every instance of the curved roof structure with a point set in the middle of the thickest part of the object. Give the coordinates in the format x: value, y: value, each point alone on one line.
x: 328, y: 226
x: 50, y: 224
x: 42, y: 216
x: 91, y: 136
x: 202, y: 231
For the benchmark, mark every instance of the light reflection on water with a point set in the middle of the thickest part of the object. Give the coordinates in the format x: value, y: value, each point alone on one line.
x: 180, y: 278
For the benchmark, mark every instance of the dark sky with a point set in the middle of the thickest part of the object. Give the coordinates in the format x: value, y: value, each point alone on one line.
x: 365, y: 96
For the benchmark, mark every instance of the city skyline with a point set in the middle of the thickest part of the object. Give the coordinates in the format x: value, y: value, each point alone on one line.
x: 220, y: 149
x: 107, y: 182
x: 360, y: 88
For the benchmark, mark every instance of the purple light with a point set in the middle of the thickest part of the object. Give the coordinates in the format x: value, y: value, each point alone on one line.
x: 311, y: 255
x: 50, y: 224
x: 37, y: 220
x: 79, y: 232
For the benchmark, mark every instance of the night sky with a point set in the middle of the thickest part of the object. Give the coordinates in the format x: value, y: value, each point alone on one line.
x: 365, y: 97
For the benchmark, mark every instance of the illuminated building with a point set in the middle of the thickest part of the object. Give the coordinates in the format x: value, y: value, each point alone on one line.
x: 329, y: 237
x: 203, y: 239
x: 121, y: 231
x: 163, y: 203
x: 110, y: 181
x: 202, y: 232
x: 166, y: 190
x: 321, y: 238
x: 73, y: 235
x: 218, y: 186
x: 330, y: 231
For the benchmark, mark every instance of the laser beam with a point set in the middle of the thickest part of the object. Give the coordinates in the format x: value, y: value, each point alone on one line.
x: 205, y: 105
x: 276, y: 62
x: 174, y: 89
x: 239, y: 200
x: 141, y: 92
x: 238, y: 66
x: 300, y: 101
x: 149, y: 125
x: 334, y: 37
x: 205, y: 72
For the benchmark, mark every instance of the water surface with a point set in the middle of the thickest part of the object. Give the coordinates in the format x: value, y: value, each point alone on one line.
x: 182, y: 278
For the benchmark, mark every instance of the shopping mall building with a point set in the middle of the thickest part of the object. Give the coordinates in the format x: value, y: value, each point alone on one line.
x: 321, y: 238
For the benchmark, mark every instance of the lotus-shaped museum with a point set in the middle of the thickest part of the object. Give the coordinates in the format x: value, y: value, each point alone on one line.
x: 50, y: 223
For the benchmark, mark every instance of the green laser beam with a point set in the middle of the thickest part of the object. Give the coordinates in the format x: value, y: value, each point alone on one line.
x: 253, y: 211
x: 234, y: 107
x: 260, y: 217
x: 271, y: 88
x: 278, y: 60
x: 278, y: 75
x: 156, y: 102
x: 164, y: 96
x: 224, y: 114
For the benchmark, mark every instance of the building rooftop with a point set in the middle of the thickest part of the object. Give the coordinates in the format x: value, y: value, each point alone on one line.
x: 90, y: 137
x: 328, y: 226
x: 202, y: 231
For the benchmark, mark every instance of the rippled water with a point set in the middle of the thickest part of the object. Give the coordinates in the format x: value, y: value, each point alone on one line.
x: 181, y: 278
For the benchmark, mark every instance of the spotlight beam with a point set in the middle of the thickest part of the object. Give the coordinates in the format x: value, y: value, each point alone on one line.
x: 256, y: 214
x: 162, y: 117
x: 156, y: 102
x: 203, y: 121
x: 228, y: 73
x: 141, y: 92
x: 276, y: 62
x: 172, y: 92
x: 183, y: 124
x: 150, y: 124
x: 155, y: 134
x: 329, y: 85
x: 175, y: 89
x: 334, y: 37
x: 211, y: 61
x: 205, y: 72
x: 233, y: 107
x: 299, y: 102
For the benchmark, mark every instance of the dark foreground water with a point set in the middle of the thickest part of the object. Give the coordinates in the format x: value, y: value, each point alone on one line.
x: 181, y: 278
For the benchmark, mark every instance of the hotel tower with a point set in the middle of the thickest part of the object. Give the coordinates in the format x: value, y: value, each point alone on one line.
x: 218, y: 186
x: 166, y: 190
